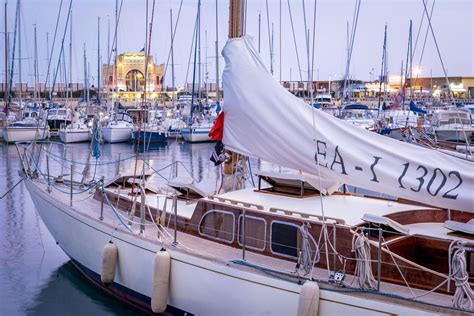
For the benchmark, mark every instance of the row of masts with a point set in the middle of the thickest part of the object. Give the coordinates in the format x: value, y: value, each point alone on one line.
x: 236, y: 28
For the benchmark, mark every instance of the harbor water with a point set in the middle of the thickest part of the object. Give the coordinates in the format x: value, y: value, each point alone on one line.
x: 36, y: 277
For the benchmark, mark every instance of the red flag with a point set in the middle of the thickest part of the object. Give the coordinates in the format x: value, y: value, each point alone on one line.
x: 217, y: 131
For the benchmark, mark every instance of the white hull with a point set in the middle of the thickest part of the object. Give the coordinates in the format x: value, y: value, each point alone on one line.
x: 74, y: 136
x: 117, y: 135
x: 16, y: 134
x: 196, y: 135
x: 197, y: 285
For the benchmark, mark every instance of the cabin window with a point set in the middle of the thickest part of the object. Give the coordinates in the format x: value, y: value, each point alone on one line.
x: 218, y: 225
x: 255, y: 232
x: 286, y: 240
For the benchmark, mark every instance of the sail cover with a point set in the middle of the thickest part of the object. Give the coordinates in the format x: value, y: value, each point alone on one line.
x: 264, y: 120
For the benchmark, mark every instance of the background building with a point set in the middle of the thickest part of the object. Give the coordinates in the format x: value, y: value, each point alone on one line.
x: 128, y: 81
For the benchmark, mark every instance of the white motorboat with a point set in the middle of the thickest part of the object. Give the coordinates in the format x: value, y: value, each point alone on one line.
x: 25, y: 130
x: 452, y: 125
x: 323, y: 101
x: 56, y: 117
x: 196, y: 133
x: 118, y: 130
x: 75, y: 133
x: 358, y: 115
x: 31, y: 127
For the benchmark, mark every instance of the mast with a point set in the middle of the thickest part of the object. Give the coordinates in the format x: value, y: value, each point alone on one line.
x: 411, y: 60
x: 115, y: 50
x: 98, y: 59
x: 35, y: 67
x: 106, y: 83
x: 88, y: 81
x: 196, y: 32
x: 206, y: 73
x: 69, y: 87
x: 5, y: 85
x: 382, y: 67
x: 408, y: 66
x: 237, y: 18
x: 402, y: 85
x: 199, y: 54
x: 172, y: 60
x: 47, y: 59
x: 86, y: 97
x: 145, y: 50
x: 19, y: 48
x: 217, y: 55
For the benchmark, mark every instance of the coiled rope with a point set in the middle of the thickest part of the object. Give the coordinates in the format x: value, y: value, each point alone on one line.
x: 464, y: 295
x: 363, y: 271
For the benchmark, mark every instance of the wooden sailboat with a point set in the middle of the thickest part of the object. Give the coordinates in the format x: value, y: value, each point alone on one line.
x: 295, y: 245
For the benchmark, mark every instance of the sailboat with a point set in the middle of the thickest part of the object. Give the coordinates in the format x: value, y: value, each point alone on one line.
x: 199, y: 125
x: 30, y: 128
x: 118, y: 130
x: 295, y: 245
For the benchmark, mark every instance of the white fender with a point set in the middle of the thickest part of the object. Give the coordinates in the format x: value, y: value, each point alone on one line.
x: 161, y: 281
x: 308, y: 303
x: 109, y: 263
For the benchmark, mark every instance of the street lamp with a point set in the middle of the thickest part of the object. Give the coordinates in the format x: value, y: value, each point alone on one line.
x: 417, y: 71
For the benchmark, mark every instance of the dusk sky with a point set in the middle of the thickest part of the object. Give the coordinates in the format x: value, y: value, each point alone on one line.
x: 453, y: 24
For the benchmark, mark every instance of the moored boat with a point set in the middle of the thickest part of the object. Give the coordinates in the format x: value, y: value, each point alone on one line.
x: 452, y: 125
x: 75, y: 133
x: 196, y: 133
x: 118, y: 130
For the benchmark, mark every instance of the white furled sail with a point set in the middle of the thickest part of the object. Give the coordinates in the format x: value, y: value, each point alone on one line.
x: 264, y: 120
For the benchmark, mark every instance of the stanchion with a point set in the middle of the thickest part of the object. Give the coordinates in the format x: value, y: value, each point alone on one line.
x: 243, y: 234
x: 175, y: 206
x: 379, y: 260
x: 70, y: 195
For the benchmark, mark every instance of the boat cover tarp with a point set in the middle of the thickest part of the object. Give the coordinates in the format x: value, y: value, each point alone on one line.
x: 326, y: 186
x: 262, y: 119
x: 416, y: 109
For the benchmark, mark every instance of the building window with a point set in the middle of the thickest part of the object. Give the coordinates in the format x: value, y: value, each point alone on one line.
x: 157, y: 80
x: 255, y: 232
x: 218, y: 225
x: 286, y: 240
x: 110, y: 79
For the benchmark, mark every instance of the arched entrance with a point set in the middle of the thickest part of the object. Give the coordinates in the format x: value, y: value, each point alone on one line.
x: 135, y: 81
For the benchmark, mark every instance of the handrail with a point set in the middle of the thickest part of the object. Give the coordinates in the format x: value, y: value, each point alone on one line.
x: 235, y: 202
x: 305, y: 215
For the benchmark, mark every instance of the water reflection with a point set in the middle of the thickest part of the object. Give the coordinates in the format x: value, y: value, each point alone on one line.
x: 76, y: 296
x: 35, y: 277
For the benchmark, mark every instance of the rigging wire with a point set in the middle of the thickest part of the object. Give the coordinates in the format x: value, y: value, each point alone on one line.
x: 351, y: 45
x: 50, y: 57
x: 294, y: 40
x: 62, y: 45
